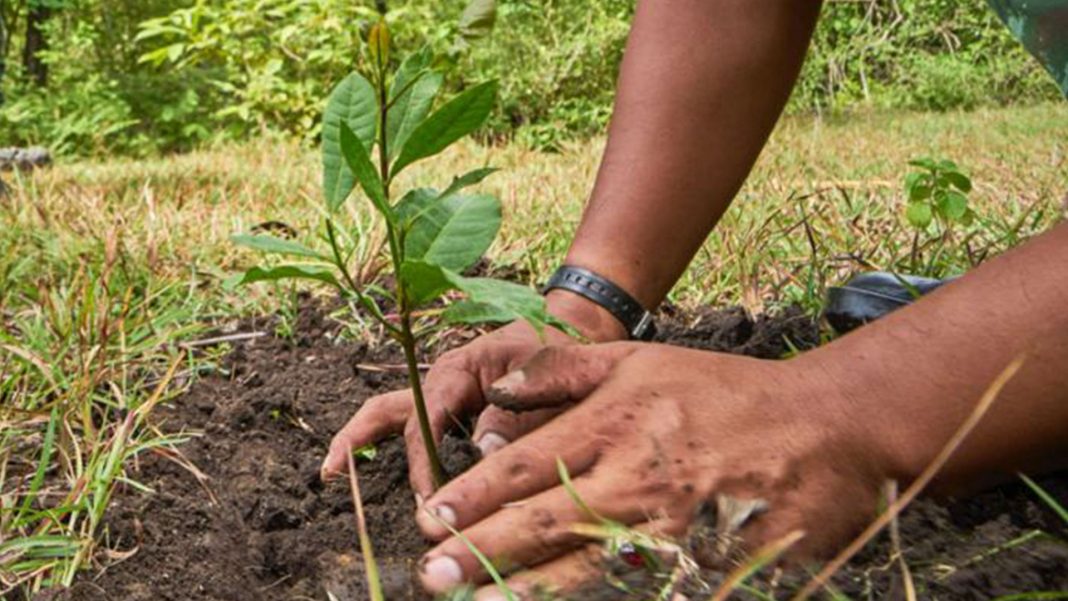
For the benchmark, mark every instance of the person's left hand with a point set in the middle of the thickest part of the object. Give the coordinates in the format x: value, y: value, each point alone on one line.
x: 661, y: 431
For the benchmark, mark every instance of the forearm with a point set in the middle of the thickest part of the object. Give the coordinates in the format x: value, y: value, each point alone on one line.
x: 701, y: 87
x: 918, y: 374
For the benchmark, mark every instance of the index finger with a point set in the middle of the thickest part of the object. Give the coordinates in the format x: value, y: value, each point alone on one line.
x: 377, y: 418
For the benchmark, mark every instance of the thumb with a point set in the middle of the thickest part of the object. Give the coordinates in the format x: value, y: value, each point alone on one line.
x: 558, y: 375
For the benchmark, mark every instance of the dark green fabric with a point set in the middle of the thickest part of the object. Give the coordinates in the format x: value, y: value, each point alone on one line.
x: 1042, y: 27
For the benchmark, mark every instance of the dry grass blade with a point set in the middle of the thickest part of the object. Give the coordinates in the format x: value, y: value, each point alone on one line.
x: 763, y: 556
x: 988, y: 398
x: 374, y: 581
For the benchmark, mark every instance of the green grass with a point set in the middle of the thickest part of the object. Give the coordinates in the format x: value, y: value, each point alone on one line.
x: 106, y: 267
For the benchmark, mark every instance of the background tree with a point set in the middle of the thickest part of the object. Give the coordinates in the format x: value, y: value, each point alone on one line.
x: 33, y: 65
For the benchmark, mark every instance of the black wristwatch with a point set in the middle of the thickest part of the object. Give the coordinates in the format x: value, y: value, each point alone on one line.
x: 600, y: 290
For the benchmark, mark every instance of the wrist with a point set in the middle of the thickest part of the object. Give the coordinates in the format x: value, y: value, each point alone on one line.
x: 856, y: 403
x: 590, y: 319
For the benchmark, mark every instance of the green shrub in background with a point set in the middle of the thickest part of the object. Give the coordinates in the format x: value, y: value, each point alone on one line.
x: 266, y: 64
x: 98, y: 98
x: 917, y: 54
x: 144, y: 76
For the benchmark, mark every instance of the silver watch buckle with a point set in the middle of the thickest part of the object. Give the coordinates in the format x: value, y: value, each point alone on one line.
x: 642, y: 329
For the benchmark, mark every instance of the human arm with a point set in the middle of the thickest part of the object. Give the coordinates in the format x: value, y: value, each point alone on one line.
x: 702, y: 85
x: 667, y: 429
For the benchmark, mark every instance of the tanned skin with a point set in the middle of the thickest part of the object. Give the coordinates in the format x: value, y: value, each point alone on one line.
x: 651, y: 432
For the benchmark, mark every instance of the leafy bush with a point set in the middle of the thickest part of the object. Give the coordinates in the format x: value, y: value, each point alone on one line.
x: 917, y: 54
x: 244, y: 67
x: 266, y: 64
x: 98, y: 98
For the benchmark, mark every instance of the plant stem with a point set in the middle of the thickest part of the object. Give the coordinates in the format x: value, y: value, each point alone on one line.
x: 353, y: 286
x: 408, y: 342
x: 396, y: 248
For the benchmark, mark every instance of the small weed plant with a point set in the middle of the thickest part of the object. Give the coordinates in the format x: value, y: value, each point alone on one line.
x: 937, y: 193
x: 376, y: 125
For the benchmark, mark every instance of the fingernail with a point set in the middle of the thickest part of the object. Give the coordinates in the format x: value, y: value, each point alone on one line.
x: 493, y: 595
x: 445, y: 514
x: 511, y: 381
x: 325, y: 475
x: 491, y: 442
x: 442, y: 573
x: 418, y: 500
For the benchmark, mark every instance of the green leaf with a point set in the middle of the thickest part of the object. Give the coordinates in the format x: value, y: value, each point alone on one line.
x: 927, y: 163
x: 457, y: 118
x: 468, y: 179
x: 953, y: 205
x: 415, y: 88
x: 468, y: 312
x: 270, y: 244
x: 413, y: 67
x: 424, y: 282
x: 367, y: 452
x: 959, y: 181
x: 919, y: 193
x: 416, y: 201
x: 412, y: 205
x: 321, y: 273
x: 498, y: 300
x: 924, y: 163
x: 453, y: 232
x: 918, y: 185
x: 968, y: 218
x: 919, y: 214
x: 912, y: 179
x: 363, y: 169
x: 478, y: 19
x: 353, y: 103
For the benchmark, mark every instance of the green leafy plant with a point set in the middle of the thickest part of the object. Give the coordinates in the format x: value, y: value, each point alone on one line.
x: 937, y: 190
x: 937, y: 193
x: 374, y: 128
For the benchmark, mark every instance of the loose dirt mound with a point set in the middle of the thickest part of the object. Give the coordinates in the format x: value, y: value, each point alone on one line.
x: 258, y: 525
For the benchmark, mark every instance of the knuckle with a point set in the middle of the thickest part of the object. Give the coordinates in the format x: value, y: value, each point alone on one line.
x: 381, y: 408
x: 373, y: 405
x: 456, y: 359
x: 521, y: 474
x: 548, y: 531
x: 340, y: 444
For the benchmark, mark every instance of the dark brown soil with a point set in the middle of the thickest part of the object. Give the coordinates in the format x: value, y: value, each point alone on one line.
x: 258, y: 525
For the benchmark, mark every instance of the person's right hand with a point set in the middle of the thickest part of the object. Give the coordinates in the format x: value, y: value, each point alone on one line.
x: 454, y: 387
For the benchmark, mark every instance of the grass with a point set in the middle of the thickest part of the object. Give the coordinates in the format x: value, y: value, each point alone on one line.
x: 106, y: 267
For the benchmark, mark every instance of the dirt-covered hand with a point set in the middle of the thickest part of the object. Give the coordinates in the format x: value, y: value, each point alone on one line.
x: 454, y: 387
x: 660, y: 432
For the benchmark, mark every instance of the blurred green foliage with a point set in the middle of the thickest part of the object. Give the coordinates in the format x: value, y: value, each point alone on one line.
x: 147, y: 76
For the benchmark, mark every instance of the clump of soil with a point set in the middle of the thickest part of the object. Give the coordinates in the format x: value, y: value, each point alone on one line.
x: 252, y: 520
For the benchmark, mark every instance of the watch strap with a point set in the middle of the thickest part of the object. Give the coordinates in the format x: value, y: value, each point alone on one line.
x: 602, y: 291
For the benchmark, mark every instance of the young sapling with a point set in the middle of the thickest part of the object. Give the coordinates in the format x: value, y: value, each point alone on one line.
x: 375, y: 127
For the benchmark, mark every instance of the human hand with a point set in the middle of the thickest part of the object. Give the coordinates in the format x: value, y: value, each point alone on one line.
x: 660, y: 431
x: 454, y: 387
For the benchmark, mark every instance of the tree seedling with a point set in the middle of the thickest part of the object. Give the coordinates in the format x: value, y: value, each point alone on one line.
x: 376, y: 126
